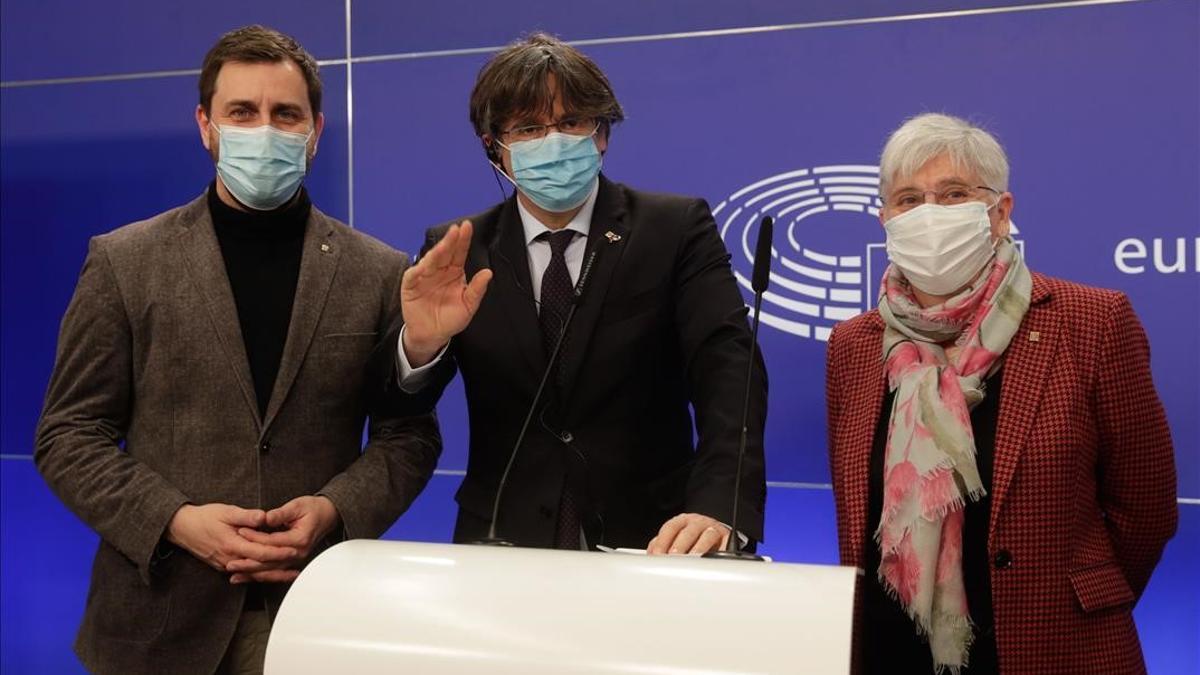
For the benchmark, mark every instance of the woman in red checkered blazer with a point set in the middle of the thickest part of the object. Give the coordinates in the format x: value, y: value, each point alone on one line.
x: 1001, y: 463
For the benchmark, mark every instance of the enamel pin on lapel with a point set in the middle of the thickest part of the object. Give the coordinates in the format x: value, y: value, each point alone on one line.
x: 325, y: 248
x: 1035, y: 336
x: 612, y: 237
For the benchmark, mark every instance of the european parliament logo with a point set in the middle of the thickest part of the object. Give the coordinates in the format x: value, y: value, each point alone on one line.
x: 831, y: 254
x: 828, y: 250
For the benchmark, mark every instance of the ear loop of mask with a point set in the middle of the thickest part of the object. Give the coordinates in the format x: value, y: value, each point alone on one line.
x: 996, y: 205
x: 214, y: 128
x: 498, y: 171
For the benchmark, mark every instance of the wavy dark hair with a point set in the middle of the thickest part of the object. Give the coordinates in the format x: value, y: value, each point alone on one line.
x: 523, y: 79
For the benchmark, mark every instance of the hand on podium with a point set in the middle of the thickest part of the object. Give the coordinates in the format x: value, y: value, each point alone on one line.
x: 690, y: 533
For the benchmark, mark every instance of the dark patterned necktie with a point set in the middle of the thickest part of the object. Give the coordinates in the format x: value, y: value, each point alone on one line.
x: 557, y: 295
x: 557, y: 290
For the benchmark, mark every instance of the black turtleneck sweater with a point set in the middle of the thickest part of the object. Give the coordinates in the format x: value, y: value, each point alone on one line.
x: 262, y: 251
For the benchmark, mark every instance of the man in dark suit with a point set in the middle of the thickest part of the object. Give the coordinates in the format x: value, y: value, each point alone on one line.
x: 223, y: 344
x: 611, y: 456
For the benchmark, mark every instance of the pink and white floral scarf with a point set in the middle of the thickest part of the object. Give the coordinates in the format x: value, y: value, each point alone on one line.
x: 929, y: 466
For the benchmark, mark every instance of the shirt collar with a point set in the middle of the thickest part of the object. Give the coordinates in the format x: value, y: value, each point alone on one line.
x: 581, y: 223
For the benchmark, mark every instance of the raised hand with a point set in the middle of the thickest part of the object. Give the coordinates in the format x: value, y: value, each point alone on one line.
x: 435, y: 298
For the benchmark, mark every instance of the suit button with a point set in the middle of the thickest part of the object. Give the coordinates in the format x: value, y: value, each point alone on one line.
x: 1003, y: 559
x: 264, y: 447
x: 545, y: 511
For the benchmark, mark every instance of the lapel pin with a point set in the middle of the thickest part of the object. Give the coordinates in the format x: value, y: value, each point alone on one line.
x: 325, y: 248
x: 612, y: 237
x: 1035, y: 336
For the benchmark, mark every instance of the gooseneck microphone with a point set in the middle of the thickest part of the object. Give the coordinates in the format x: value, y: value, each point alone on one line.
x: 759, y: 281
x: 580, y: 286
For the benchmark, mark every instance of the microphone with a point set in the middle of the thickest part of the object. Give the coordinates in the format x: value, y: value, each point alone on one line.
x: 580, y: 286
x: 759, y: 281
x: 761, y: 276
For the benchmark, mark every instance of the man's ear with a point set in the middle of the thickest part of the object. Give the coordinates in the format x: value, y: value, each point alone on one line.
x: 489, y: 148
x: 318, y: 127
x: 202, y: 123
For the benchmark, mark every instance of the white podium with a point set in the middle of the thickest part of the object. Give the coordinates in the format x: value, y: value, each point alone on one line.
x: 400, y: 607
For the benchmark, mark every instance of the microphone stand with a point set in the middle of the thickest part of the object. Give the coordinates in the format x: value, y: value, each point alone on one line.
x: 732, y: 551
x: 492, y: 539
x: 762, y: 261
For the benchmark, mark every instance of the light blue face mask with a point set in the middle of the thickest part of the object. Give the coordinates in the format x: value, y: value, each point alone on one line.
x: 556, y: 172
x: 262, y: 166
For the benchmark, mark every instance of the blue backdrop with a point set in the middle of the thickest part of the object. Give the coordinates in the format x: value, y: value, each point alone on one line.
x: 763, y: 106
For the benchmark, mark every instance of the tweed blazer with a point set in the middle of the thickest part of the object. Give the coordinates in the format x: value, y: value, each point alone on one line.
x: 151, y: 405
x: 1083, y: 491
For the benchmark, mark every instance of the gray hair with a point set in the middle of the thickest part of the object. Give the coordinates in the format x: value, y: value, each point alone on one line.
x: 929, y: 135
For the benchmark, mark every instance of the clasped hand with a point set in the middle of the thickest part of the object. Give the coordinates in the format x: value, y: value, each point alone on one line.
x: 252, y: 544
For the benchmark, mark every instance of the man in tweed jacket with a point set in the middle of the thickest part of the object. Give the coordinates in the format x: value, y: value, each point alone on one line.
x: 206, y: 410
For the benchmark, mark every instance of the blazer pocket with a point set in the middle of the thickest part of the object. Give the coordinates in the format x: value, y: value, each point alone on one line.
x: 1101, y: 586
x: 342, y: 343
x: 123, y: 607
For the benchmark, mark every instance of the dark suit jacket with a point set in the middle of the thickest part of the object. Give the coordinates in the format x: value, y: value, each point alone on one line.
x: 1083, y: 487
x: 151, y: 358
x: 661, y: 326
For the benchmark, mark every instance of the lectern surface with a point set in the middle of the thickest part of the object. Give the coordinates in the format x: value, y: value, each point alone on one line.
x: 387, y: 607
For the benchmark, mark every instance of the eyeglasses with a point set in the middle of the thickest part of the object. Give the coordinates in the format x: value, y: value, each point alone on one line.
x: 949, y: 195
x: 573, y: 126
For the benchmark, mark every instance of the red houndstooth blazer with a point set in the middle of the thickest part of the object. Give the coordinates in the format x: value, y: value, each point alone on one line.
x: 1083, y: 491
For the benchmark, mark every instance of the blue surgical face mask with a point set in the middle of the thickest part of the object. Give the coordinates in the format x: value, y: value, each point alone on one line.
x: 556, y: 172
x: 261, y: 166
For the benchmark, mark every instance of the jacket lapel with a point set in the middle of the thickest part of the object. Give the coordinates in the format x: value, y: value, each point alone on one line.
x: 205, y: 266
x: 607, y: 217
x: 1027, y: 364
x: 862, y: 408
x: 318, y: 263
x: 513, y: 288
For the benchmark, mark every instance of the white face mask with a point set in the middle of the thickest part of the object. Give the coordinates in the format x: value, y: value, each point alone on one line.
x: 940, y: 249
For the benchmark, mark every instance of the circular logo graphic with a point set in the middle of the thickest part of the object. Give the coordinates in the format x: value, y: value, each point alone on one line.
x: 817, y: 279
